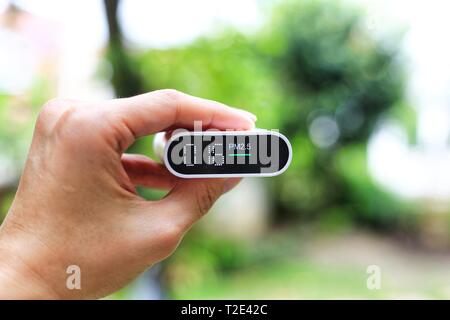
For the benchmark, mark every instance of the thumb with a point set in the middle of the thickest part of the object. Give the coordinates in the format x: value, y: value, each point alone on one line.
x: 191, y: 199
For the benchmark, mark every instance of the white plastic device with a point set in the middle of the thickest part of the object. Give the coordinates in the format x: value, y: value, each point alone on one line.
x: 221, y: 154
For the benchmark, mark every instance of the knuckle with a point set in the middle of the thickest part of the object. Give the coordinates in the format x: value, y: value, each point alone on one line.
x: 55, y: 103
x: 205, y: 198
x: 170, y: 238
x: 171, y: 94
x: 51, y: 113
x: 173, y: 232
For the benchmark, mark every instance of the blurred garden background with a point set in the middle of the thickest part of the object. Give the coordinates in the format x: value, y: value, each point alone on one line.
x: 361, y: 88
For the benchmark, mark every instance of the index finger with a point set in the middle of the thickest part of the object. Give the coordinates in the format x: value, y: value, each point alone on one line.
x: 162, y: 109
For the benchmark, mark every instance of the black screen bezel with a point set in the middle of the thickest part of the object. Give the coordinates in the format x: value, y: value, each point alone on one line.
x: 229, y: 169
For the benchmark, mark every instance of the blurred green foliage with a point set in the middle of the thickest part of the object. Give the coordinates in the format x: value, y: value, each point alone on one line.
x: 335, y: 68
x: 327, y: 58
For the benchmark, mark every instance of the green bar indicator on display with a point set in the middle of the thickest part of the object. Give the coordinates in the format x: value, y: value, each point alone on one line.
x: 240, y: 154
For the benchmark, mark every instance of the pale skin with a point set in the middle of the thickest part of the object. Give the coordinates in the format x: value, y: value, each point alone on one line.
x: 76, y: 203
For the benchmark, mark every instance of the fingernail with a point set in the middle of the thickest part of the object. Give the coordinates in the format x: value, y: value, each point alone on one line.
x: 247, y: 114
x: 251, y: 116
x: 252, y: 126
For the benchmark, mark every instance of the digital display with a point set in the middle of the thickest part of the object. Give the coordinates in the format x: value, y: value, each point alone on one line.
x: 218, y: 153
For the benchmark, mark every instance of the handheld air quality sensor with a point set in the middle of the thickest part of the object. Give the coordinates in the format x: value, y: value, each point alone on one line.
x: 222, y: 154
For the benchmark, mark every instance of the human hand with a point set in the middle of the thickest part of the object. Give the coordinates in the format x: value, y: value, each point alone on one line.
x: 76, y: 203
